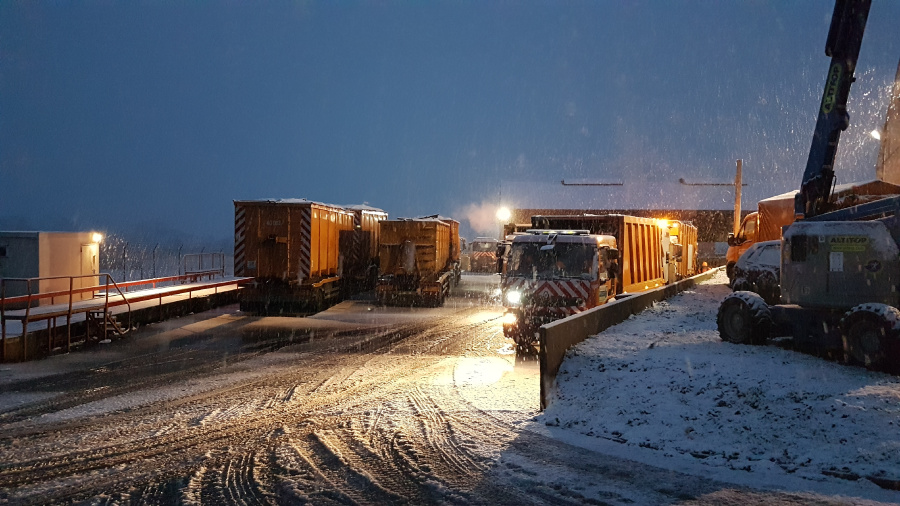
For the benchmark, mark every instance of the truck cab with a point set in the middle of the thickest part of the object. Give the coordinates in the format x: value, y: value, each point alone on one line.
x: 483, y: 255
x: 748, y: 235
x: 552, y: 274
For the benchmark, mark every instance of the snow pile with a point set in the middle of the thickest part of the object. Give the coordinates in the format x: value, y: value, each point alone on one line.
x: 666, y: 388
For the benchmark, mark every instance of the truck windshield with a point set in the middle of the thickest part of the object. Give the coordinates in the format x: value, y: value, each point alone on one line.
x: 484, y: 246
x: 564, y: 260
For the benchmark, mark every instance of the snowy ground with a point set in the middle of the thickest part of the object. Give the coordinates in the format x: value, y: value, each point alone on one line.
x: 662, y: 388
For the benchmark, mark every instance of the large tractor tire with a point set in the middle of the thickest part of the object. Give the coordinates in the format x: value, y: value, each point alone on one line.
x: 744, y: 318
x: 870, y: 333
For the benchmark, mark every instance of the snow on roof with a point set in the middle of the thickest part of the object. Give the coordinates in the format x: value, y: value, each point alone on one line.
x: 436, y: 217
x: 424, y: 218
x: 645, y: 195
x: 287, y: 201
x: 363, y: 207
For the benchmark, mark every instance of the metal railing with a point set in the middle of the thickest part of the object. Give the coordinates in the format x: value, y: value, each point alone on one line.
x: 111, y: 293
x: 203, y: 262
x: 31, y: 297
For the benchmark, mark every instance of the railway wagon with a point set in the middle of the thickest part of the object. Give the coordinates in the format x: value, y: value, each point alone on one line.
x: 359, y: 249
x: 419, y: 260
x: 291, y: 247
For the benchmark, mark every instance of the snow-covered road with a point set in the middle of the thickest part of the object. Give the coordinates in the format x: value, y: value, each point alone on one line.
x: 662, y: 388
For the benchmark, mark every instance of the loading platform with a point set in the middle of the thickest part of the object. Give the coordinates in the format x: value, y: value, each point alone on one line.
x: 40, y: 323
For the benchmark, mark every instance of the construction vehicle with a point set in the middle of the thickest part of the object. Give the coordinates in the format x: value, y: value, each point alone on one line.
x: 419, y: 261
x: 775, y: 213
x: 292, y: 247
x: 568, y: 264
x: 839, y: 267
x: 483, y: 254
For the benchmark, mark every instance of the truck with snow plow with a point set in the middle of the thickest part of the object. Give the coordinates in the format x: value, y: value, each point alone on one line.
x: 418, y: 260
x: 568, y: 264
x: 650, y: 249
x: 840, y: 266
x: 552, y: 274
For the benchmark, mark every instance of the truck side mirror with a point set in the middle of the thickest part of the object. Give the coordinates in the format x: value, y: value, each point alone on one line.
x: 612, y: 254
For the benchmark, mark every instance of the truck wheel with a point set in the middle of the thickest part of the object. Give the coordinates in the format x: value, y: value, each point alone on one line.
x: 744, y: 318
x: 869, y: 332
x: 740, y: 285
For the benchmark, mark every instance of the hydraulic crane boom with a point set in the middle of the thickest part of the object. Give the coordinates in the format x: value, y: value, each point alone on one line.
x: 844, y: 40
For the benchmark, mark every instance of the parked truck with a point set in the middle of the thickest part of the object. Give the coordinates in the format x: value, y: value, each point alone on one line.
x: 764, y: 224
x: 292, y: 247
x: 483, y: 254
x: 419, y: 260
x: 568, y: 264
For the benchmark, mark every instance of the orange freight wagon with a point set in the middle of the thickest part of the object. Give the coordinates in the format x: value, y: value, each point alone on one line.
x: 359, y: 249
x: 419, y: 260
x: 291, y: 247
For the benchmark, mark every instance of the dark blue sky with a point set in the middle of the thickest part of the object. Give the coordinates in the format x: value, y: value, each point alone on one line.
x: 118, y: 115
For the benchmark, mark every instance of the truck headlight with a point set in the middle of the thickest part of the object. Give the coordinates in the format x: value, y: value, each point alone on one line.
x: 509, y: 318
x: 513, y: 297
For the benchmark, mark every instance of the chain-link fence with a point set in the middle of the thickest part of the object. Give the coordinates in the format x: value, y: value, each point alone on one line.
x: 128, y: 260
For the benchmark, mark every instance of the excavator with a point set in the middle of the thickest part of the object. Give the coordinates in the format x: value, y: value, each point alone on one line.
x: 840, y: 265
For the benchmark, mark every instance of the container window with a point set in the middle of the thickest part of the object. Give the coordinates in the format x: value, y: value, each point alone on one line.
x: 798, y: 247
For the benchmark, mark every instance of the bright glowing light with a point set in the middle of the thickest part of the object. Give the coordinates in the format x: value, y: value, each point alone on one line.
x: 503, y: 214
x: 96, y: 237
x: 662, y: 223
x: 480, y: 372
x: 513, y: 297
x: 876, y: 134
x: 509, y: 318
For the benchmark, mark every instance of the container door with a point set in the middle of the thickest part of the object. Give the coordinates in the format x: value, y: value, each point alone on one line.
x: 90, y: 264
x: 273, y: 238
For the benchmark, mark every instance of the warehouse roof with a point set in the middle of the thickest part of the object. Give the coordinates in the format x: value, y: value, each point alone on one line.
x: 648, y: 195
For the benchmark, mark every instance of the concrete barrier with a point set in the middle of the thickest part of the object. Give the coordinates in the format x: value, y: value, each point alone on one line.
x: 559, y: 336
